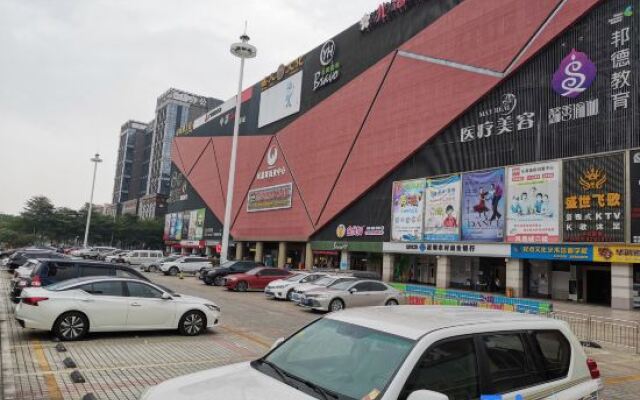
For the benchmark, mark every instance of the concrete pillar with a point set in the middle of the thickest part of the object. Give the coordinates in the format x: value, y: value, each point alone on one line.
x: 239, y: 251
x: 282, y: 254
x: 515, y: 276
x: 259, y: 251
x: 345, y: 260
x: 443, y: 272
x: 308, y: 256
x: 622, y: 286
x: 387, y: 267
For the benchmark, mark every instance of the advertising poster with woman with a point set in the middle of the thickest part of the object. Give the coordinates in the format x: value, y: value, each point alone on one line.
x: 442, y: 213
x: 172, y: 226
x: 533, y: 203
x: 407, y: 207
x: 193, y: 216
x: 483, y: 206
x: 167, y: 227
x: 199, y: 224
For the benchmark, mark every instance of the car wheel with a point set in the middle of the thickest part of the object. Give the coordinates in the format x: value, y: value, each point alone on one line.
x: 208, y: 280
x: 218, y: 281
x: 336, y: 305
x: 289, y: 294
x: 153, y: 268
x: 71, y: 326
x: 391, y: 302
x: 242, y: 286
x: 192, y: 323
x: 173, y: 271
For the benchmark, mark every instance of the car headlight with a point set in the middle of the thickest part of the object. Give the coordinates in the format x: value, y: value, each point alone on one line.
x: 213, y: 307
x: 316, y: 295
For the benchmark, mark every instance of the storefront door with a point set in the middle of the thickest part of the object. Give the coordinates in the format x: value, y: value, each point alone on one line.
x: 599, y: 287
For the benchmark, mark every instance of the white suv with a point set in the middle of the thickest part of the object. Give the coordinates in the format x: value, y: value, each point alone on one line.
x: 185, y: 264
x: 407, y: 353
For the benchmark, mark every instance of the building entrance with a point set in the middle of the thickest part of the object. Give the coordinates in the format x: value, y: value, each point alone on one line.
x: 598, y: 287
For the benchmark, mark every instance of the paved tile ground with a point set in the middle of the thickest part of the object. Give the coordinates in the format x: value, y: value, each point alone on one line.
x: 121, y: 366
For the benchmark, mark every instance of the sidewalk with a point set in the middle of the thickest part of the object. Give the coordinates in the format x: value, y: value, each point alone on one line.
x: 596, y: 311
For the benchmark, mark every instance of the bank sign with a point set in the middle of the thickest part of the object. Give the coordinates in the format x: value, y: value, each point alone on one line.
x: 270, y: 198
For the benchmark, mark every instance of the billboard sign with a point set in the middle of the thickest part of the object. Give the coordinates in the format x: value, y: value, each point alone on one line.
x: 281, y: 100
x: 199, y: 224
x: 172, y: 226
x: 270, y: 198
x: 442, y: 209
x: 178, y: 226
x: 561, y: 252
x: 617, y: 254
x: 533, y: 203
x: 594, y: 199
x: 167, y: 227
x: 449, y: 249
x: 634, y: 186
x: 483, y: 206
x: 407, y: 210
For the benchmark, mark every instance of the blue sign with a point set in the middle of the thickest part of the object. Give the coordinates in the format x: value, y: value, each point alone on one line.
x: 553, y: 252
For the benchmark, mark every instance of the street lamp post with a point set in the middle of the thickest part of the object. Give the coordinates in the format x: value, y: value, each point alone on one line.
x: 241, y: 50
x: 95, y: 160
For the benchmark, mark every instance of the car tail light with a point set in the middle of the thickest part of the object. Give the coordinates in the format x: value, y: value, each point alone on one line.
x: 36, y: 282
x: 593, y: 368
x: 33, y: 301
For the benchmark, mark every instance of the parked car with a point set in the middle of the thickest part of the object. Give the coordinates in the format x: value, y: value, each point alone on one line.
x: 92, y: 252
x: 112, y: 253
x: 155, y: 265
x: 283, y: 288
x: 20, y: 257
x: 185, y: 264
x: 407, y: 353
x: 142, y: 257
x: 324, y: 281
x: 255, y: 279
x: 24, y: 271
x: 107, y: 304
x: 348, y: 294
x: 216, y: 275
x: 50, y: 271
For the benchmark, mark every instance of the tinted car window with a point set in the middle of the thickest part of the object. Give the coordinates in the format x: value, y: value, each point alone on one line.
x: 376, y: 286
x: 448, y: 367
x: 104, y: 288
x: 509, y: 365
x: 142, y: 290
x: 362, y: 287
x: 56, y: 272
x: 555, y: 351
x: 92, y: 270
x: 121, y: 273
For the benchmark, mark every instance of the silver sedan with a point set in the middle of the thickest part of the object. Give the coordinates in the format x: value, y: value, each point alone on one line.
x: 349, y: 294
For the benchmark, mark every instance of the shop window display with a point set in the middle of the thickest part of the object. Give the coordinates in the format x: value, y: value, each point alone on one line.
x: 483, y: 274
x: 415, y: 269
x: 537, y: 279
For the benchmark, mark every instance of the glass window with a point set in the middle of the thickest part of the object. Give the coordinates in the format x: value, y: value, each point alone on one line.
x: 377, y: 287
x: 350, y: 360
x: 556, y: 353
x: 60, y: 272
x: 121, y: 273
x: 142, y: 290
x: 110, y: 288
x: 135, y: 254
x: 509, y: 366
x: 92, y: 270
x: 449, y: 368
x: 362, y: 287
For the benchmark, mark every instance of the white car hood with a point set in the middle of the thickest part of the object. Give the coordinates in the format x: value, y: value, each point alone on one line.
x: 305, y: 287
x: 232, y: 382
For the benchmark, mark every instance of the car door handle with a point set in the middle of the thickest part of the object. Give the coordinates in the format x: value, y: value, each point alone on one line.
x: 136, y: 304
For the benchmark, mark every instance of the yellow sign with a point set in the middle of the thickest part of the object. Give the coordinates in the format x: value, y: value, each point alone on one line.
x: 617, y: 254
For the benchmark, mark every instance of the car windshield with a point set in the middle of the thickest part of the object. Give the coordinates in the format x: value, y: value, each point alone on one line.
x: 227, y: 264
x: 295, y: 278
x: 170, y: 258
x: 346, y: 360
x: 323, y: 281
x: 343, y: 285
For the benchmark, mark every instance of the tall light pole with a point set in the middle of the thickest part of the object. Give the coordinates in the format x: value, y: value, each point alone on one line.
x: 242, y: 50
x: 95, y: 160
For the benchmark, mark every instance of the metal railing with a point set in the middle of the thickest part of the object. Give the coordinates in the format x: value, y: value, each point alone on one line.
x: 602, y: 330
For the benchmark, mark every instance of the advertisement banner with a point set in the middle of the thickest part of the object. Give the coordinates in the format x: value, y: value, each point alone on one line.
x: 280, y: 100
x: 483, y: 206
x: 167, y: 227
x: 199, y: 225
x: 270, y: 198
x: 178, y: 229
x: 193, y: 215
x: 441, y: 211
x: 173, y: 225
x: 186, y: 221
x: 594, y: 190
x: 533, y: 203
x: 553, y: 252
x: 407, y: 206
x: 634, y: 176
x: 449, y: 249
x: 617, y: 254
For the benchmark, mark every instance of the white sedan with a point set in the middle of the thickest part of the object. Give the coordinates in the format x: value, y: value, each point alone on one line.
x: 283, y: 288
x: 74, y: 307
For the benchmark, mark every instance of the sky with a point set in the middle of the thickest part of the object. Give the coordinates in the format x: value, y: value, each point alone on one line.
x: 73, y: 71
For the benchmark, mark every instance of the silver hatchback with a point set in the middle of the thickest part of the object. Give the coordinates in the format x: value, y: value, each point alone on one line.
x: 361, y: 293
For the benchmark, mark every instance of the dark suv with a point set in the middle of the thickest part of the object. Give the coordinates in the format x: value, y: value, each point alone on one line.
x: 49, y: 271
x: 20, y: 257
x: 214, y: 276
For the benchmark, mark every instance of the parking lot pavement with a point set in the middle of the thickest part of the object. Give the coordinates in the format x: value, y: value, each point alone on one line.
x: 121, y: 366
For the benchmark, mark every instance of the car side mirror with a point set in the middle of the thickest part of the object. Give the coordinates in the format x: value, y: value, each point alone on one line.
x: 277, y: 343
x: 166, y: 296
x: 427, y: 395
x: 353, y: 290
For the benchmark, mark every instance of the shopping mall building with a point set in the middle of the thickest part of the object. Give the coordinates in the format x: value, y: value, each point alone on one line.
x: 487, y: 146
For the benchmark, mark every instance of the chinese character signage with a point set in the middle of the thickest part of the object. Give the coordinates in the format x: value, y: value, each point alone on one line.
x: 617, y: 254
x: 594, y: 199
x: 483, y: 208
x: 533, y: 202
x: 442, y: 209
x: 552, y: 252
x: 634, y: 208
x: 453, y: 249
x: 270, y: 198
x: 407, y: 207
x: 499, y: 120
